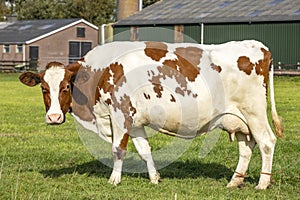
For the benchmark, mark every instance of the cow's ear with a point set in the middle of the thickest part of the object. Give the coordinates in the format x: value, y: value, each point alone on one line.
x: 30, y: 79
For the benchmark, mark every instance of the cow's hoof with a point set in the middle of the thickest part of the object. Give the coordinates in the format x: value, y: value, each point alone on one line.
x: 155, y: 178
x: 235, y: 184
x: 264, y: 181
x: 262, y: 186
x: 115, y: 178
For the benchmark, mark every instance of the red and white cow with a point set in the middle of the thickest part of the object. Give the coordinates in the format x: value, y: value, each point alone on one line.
x: 183, y: 90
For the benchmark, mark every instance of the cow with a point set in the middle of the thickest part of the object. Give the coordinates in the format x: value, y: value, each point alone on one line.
x: 181, y: 90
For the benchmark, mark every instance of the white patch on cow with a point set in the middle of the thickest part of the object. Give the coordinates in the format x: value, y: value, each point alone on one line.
x: 111, y: 79
x: 103, y: 121
x: 112, y: 53
x: 53, y: 77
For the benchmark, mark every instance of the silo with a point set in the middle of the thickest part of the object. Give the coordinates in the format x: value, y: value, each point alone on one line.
x: 127, y: 8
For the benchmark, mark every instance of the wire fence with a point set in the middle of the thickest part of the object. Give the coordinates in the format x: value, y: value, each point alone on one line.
x: 287, y: 69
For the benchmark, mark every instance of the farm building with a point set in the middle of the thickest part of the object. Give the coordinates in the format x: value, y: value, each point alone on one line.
x: 34, y: 43
x: 276, y: 23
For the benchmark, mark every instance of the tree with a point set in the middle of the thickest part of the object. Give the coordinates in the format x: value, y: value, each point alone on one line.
x: 6, y: 8
x: 94, y: 11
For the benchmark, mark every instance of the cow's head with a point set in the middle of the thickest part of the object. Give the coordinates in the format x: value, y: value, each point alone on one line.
x: 56, y: 84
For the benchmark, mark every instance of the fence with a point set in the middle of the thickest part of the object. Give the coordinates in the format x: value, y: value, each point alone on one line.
x: 287, y: 69
x: 18, y: 66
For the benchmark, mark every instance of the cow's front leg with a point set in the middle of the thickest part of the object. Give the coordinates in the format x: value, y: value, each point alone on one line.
x: 245, y: 152
x: 141, y: 144
x: 119, y: 152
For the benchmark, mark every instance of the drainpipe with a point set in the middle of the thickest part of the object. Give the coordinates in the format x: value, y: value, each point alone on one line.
x: 24, y: 54
x: 202, y: 33
x: 140, y: 5
x: 103, y: 34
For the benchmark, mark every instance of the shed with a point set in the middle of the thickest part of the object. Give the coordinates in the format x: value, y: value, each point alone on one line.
x: 276, y: 23
x: 34, y: 43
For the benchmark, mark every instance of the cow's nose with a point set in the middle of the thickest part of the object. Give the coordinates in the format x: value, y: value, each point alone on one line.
x: 54, y: 119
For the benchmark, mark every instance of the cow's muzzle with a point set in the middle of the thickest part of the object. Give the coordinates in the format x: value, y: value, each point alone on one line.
x: 53, y: 119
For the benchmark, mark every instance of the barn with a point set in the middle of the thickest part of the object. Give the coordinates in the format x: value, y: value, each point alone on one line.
x: 34, y: 43
x: 274, y: 22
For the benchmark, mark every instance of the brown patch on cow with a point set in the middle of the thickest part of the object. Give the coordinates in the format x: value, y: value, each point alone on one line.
x: 156, y: 50
x: 46, y: 93
x: 124, y: 142
x: 108, y: 101
x: 128, y: 111
x: 147, y: 96
x: 172, y: 98
x: 216, y: 67
x: 245, y: 65
x: 263, y: 66
x: 116, y: 73
x: 111, y: 78
x: 183, y: 69
x: 188, y: 61
x: 178, y: 90
x: 54, y: 64
x: 158, y: 88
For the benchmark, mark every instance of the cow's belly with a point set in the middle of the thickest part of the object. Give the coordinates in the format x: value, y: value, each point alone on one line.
x: 174, y: 114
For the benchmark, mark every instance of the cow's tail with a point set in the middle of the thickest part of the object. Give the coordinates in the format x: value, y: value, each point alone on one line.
x: 275, y: 118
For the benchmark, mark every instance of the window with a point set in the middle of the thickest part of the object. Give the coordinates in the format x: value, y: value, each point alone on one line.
x: 19, y: 48
x: 6, y: 48
x: 78, y: 49
x: 80, y: 32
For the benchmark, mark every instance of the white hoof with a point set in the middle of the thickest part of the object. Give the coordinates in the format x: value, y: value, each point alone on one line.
x: 115, y: 178
x: 155, y: 178
x: 234, y: 184
x: 262, y: 186
x: 264, y: 181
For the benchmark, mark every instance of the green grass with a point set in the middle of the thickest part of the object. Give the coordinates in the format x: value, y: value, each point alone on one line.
x: 50, y: 162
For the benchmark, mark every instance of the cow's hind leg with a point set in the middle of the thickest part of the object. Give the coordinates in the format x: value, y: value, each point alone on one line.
x: 141, y: 144
x: 245, y: 151
x: 119, y: 151
x: 266, y: 143
x: 266, y: 140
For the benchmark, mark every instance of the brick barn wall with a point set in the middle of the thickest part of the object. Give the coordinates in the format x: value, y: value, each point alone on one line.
x: 56, y: 46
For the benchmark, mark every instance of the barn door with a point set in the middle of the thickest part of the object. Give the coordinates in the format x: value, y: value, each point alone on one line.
x: 33, y: 57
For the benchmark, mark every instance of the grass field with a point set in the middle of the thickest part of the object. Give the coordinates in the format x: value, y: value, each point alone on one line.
x: 50, y: 162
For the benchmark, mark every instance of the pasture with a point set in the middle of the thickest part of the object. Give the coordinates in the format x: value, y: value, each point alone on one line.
x: 50, y: 162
